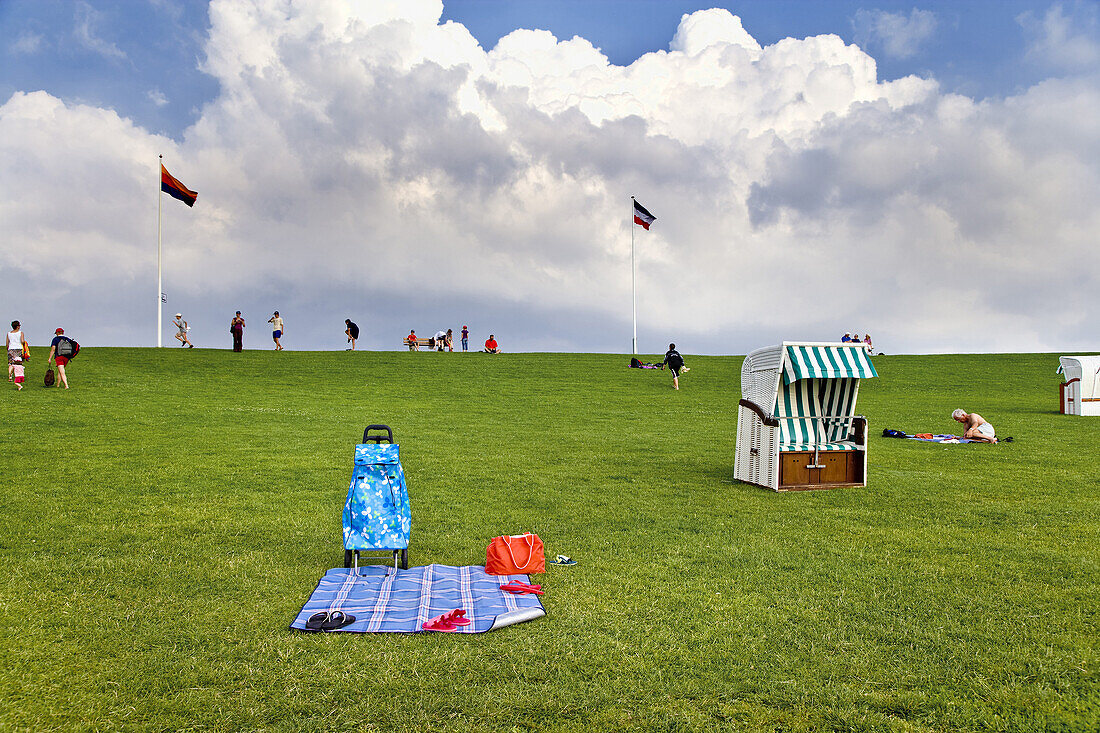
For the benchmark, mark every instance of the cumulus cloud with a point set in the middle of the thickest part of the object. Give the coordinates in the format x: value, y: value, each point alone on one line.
x: 898, y: 35
x: 367, y: 161
x: 1064, y: 39
x: 157, y: 97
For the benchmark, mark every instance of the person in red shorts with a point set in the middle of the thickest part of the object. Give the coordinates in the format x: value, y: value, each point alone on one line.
x: 60, y: 360
x: 491, y: 346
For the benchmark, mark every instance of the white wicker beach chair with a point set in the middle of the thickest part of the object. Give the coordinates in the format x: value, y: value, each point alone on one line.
x: 796, y: 422
x: 1080, y: 393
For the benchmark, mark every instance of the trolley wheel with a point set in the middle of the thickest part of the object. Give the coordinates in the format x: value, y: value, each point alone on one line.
x: 347, y: 558
x: 404, y: 559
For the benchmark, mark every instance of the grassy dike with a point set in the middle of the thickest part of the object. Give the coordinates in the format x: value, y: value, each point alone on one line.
x: 165, y: 519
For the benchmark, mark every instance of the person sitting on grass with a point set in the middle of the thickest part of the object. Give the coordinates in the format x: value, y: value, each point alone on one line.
x: 976, y: 426
x: 491, y: 346
x: 411, y: 340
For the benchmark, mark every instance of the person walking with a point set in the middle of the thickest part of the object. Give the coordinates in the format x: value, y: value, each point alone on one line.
x: 236, y: 327
x: 352, y: 332
x: 60, y: 343
x: 675, y: 364
x: 17, y: 348
x: 465, y: 339
x: 181, y: 331
x: 276, y: 322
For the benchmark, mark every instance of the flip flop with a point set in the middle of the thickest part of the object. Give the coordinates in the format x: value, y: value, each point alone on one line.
x: 449, y: 621
x: 563, y: 560
x: 517, y: 587
x: 328, y: 621
x: 337, y: 620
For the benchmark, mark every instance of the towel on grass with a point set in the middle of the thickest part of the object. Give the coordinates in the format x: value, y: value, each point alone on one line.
x: 385, y: 599
x: 928, y: 438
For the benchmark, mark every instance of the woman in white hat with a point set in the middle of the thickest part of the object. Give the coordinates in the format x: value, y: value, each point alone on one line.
x: 181, y: 331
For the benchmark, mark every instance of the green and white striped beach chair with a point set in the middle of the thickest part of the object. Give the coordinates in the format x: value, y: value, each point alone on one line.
x: 796, y: 423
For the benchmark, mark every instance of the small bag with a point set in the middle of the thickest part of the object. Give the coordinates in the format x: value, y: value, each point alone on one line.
x: 519, y: 554
x: 48, y: 379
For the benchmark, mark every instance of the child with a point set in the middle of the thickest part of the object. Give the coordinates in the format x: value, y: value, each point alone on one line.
x: 465, y: 338
x: 18, y: 370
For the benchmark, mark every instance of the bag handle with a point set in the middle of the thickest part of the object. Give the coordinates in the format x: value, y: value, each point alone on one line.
x: 378, y: 439
x: 530, y: 551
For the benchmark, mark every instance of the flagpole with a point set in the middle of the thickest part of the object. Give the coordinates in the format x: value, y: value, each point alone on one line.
x: 633, y: 287
x: 160, y: 289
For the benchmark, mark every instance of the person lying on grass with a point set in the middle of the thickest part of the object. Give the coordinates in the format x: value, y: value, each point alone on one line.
x: 976, y: 426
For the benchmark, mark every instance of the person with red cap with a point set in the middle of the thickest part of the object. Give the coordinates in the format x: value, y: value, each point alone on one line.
x: 61, y: 361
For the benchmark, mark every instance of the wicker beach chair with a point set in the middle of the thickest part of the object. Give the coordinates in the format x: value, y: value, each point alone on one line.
x: 796, y: 422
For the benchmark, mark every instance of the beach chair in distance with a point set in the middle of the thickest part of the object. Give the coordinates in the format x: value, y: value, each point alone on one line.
x: 377, y: 516
x: 1080, y: 393
x: 797, y: 428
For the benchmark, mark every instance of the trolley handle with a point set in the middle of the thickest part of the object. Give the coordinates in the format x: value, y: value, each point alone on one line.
x: 388, y: 437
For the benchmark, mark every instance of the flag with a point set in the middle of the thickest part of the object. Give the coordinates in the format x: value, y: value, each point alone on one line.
x: 175, y: 189
x: 643, y: 217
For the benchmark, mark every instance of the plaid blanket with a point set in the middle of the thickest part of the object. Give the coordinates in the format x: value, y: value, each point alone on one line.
x: 384, y: 599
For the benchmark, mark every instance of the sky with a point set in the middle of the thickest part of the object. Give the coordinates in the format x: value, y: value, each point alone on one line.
x: 926, y: 172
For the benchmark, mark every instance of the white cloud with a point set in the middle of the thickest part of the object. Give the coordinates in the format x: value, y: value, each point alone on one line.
x: 367, y: 162
x: 898, y: 35
x: 157, y: 97
x: 27, y: 43
x: 1064, y: 39
x: 85, y: 30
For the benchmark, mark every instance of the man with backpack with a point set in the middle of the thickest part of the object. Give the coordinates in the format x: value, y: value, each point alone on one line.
x: 62, y: 350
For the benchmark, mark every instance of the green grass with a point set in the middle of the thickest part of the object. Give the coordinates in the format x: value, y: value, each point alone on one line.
x: 165, y: 519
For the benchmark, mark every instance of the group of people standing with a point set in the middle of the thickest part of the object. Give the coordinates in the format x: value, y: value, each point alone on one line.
x: 62, y: 348
x: 236, y: 330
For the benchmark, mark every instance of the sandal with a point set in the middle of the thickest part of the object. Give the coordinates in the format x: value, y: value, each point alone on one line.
x: 328, y: 621
x: 563, y: 560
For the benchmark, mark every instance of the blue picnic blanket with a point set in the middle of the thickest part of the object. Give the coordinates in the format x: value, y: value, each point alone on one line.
x: 385, y: 599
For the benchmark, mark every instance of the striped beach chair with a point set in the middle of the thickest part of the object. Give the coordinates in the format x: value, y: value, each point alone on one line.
x: 796, y: 423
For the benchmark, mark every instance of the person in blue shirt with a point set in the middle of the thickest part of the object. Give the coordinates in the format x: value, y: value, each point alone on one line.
x: 61, y: 361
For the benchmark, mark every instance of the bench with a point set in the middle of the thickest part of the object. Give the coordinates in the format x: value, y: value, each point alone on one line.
x: 428, y: 343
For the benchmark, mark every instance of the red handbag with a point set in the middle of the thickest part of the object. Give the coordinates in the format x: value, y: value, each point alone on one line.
x: 518, y: 554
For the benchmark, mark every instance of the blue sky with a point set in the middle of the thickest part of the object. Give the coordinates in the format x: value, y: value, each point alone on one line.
x: 928, y: 172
